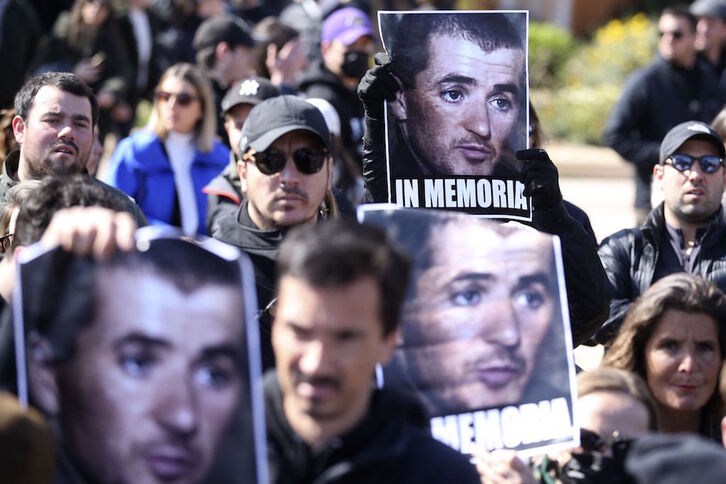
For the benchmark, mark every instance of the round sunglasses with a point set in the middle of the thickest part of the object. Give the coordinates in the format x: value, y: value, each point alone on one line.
x: 683, y: 162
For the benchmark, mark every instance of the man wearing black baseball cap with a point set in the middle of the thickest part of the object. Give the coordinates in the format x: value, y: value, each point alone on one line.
x: 711, y: 33
x: 224, y: 192
x: 224, y: 49
x: 685, y: 233
x: 285, y: 172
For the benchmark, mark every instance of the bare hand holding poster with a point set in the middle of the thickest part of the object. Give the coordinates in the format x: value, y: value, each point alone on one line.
x: 146, y: 364
x: 485, y: 339
x: 461, y: 111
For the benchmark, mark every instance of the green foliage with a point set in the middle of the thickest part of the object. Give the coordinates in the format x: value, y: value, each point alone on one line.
x: 577, y: 114
x: 591, y: 80
x: 549, y: 49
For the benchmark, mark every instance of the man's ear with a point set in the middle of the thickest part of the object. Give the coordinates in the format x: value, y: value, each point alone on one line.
x: 385, y: 351
x: 19, y: 129
x: 658, y: 170
x: 42, y: 384
x: 398, y: 106
x: 242, y: 172
x: 220, y: 50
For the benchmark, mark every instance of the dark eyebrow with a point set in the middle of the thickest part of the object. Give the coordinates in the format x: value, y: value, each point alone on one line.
x: 508, y: 87
x: 81, y: 117
x: 473, y: 276
x: 531, y: 279
x: 457, y: 79
x: 141, y: 339
x: 226, y: 350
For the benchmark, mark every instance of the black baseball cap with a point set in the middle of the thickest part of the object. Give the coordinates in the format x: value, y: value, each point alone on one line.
x: 709, y: 8
x: 252, y: 90
x: 278, y: 116
x: 689, y: 130
x: 225, y: 28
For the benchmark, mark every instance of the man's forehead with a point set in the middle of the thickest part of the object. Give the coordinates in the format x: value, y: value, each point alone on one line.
x: 299, y: 138
x: 50, y: 98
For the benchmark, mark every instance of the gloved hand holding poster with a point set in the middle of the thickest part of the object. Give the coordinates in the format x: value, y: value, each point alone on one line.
x: 485, y: 340
x: 459, y: 113
x: 146, y: 364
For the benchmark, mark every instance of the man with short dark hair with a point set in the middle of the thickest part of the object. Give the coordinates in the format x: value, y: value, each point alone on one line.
x: 463, y: 89
x: 105, y: 362
x: 340, y: 291
x: 54, y: 118
x: 676, y: 87
x: 285, y: 173
x: 224, y: 192
x: 225, y: 51
x: 711, y: 33
x: 685, y: 233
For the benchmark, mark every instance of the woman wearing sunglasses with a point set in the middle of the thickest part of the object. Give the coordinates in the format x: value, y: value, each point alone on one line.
x: 673, y: 338
x: 165, y: 166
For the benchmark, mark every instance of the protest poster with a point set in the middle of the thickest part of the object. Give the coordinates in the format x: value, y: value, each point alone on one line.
x: 461, y: 112
x: 485, y: 341
x: 147, y: 364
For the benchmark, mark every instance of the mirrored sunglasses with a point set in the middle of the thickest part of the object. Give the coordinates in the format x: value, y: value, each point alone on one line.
x: 683, y: 162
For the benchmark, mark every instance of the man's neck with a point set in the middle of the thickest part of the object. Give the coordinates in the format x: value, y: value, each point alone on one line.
x: 316, y: 432
x: 689, y: 230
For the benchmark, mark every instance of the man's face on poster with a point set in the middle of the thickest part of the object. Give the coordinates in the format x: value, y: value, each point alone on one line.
x: 463, y: 106
x: 472, y: 333
x: 154, y: 381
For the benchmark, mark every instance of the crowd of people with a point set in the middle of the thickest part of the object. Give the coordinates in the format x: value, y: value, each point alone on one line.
x: 134, y: 350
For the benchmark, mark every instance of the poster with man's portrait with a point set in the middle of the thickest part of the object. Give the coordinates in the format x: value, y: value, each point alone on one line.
x: 461, y: 111
x: 484, y: 337
x: 146, y: 364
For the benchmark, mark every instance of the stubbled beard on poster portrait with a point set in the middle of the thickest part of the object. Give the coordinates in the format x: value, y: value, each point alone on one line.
x: 485, y: 340
x: 451, y: 132
x: 167, y: 335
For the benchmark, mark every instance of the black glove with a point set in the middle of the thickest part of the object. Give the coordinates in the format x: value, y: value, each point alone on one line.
x: 378, y: 85
x: 541, y: 180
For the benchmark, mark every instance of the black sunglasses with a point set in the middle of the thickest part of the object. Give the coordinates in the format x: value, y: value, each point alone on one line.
x: 182, y: 99
x: 683, y: 162
x: 676, y: 34
x: 593, y: 442
x: 271, y: 161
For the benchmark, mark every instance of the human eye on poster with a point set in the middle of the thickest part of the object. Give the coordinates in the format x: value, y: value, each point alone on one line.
x: 145, y: 364
x: 461, y: 112
x: 484, y: 337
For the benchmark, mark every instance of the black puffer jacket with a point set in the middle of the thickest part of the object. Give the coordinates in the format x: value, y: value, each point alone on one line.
x: 391, y: 445
x: 629, y: 257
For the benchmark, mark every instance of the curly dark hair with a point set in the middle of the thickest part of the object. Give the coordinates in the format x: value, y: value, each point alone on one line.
x: 54, y: 193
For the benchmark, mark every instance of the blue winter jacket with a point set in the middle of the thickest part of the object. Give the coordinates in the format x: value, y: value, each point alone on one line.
x: 140, y: 167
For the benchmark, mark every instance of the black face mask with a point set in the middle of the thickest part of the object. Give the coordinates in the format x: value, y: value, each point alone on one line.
x: 355, y: 64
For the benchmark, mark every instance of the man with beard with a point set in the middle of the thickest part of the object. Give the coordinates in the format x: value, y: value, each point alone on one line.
x: 285, y: 173
x: 54, y: 118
